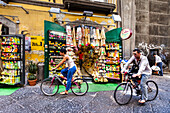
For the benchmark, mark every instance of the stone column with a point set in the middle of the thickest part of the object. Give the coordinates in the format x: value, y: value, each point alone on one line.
x: 128, y: 10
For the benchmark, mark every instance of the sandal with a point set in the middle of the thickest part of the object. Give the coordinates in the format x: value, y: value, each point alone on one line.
x: 141, y: 101
x: 63, y: 93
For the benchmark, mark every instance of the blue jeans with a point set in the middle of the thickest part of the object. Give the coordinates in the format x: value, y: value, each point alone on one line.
x: 68, y: 73
x: 144, y: 86
x: 159, y: 64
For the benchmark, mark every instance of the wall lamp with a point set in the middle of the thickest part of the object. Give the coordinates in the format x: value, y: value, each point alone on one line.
x: 86, y: 13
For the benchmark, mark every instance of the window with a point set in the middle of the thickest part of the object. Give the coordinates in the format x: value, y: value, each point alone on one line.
x: 5, y: 30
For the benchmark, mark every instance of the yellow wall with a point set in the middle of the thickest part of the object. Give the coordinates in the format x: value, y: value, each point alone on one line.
x: 34, y: 21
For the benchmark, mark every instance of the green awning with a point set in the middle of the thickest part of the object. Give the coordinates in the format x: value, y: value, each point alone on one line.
x: 53, y: 27
x: 113, y: 35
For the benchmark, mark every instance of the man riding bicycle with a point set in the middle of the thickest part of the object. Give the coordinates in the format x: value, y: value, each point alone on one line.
x: 144, y: 71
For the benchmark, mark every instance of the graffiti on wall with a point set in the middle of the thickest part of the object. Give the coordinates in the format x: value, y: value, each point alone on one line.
x: 145, y: 48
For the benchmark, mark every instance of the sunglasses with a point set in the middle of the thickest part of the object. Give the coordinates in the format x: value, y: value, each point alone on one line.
x: 134, y: 54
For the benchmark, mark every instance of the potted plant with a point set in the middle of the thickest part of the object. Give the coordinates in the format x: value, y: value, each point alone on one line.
x: 32, y: 68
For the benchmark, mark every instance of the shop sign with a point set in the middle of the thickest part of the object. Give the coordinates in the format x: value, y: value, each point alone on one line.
x: 126, y: 34
x: 37, y: 43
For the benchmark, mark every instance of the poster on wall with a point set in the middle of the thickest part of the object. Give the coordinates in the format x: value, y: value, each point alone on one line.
x: 37, y: 43
x: 27, y: 43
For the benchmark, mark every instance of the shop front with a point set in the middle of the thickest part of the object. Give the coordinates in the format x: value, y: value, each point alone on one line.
x: 102, y: 51
x: 12, y: 56
x: 79, y: 32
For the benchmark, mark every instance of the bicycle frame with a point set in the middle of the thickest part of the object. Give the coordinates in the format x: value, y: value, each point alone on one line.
x: 58, y: 78
x: 130, y: 79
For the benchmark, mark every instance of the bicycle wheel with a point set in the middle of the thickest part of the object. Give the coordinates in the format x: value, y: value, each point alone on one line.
x: 48, y: 88
x: 79, y: 87
x: 123, y: 93
x: 152, y: 90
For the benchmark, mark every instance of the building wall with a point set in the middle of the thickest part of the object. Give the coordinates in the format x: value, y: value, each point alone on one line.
x: 34, y: 22
x: 153, y: 25
x: 127, y: 11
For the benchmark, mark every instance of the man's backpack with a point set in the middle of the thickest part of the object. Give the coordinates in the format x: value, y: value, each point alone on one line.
x: 135, y: 67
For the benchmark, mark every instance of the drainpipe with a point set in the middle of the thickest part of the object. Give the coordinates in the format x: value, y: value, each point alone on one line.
x: 5, y: 4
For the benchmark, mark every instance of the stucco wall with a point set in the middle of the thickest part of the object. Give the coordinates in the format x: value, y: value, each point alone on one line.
x: 34, y: 22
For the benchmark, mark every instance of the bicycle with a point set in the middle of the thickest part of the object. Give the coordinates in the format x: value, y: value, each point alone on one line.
x: 123, y: 92
x: 50, y: 86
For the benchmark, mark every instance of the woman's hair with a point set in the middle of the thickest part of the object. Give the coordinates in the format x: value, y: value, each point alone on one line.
x: 63, y: 50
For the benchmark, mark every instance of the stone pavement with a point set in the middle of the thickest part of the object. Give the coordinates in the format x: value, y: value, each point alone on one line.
x: 29, y: 99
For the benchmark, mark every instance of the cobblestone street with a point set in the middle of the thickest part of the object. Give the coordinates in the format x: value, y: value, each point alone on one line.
x: 30, y: 100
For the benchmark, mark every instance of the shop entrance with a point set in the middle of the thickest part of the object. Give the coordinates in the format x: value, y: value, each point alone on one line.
x: 89, y: 61
x: 102, y: 52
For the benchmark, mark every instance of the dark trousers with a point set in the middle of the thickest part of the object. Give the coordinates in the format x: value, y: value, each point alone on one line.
x: 80, y: 63
x: 160, y: 66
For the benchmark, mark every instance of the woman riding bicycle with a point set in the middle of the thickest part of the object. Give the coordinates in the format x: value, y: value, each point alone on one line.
x: 67, y: 72
x: 144, y: 72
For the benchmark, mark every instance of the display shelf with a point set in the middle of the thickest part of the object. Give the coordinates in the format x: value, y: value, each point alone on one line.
x: 11, y: 44
x: 56, y: 39
x: 56, y: 57
x: 52, y: 48
x: 9, y: 60
x: 112, y: 49
x: 10, y: 83
x: 11, y: 69
x: 13, y: 57
x: 9, y: 75
x: 113, y: 78
x: 12, y: 52
x: 112, y: 71
x: 110, y: 57
x: 113, y: 58
x: 112, y: 64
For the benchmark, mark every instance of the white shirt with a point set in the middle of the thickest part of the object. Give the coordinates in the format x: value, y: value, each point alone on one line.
x: 144, y: 67
x: 70, y: 62
x: 157, y: 59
